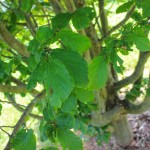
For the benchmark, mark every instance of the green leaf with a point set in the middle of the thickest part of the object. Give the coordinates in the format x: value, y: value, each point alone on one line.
x: 33, y: 46
x: 84, y: 95
x: 61, y: 20
x: 98, y: 73
x: 117, y: 62
x: 24, y: 139
x: 2, y: 69
x: 47, y: 131
x: 0, y: 108
x: 32, y: 63
x: 70, y: 105
x: 48, y: 113
x: 124, y: 7
x: 58, y: 78
x: 26, y: 5
x: 8, y: 67
x: 141, y: 41
x: 54, y: 75
x: 50, y: 148
x: 42, y: 129
x: 44, y: 34
x: 74, y: 41
x: 69, y: 140
x: 82, y: 17
x: 75, y: 64
x: 146, y: 8
x: 65, y: 120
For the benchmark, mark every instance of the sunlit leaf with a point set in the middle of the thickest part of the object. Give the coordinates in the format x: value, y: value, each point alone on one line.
x: 74, y: 41
x: 82, y: 17
x: 98, y: 73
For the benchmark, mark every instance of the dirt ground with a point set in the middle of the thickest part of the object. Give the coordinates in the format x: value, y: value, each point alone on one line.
x: 141, y: 129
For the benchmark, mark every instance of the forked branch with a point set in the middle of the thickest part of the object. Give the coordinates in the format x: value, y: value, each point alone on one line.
x: 121, y: 23
x: 23, y: 118
x: 137, y: 72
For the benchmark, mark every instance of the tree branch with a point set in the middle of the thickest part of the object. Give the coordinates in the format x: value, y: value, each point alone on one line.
x: 70, y: 5
x: 138, y: 109
x: 16, y: 89
x: 101, y: 120
x: 137, y: 72
x: 121, y: 23
x: 23, y: 118
x: 17, y: 106
x: 4, y: 131
x: 11, y: 41
x: 56, y: 6
x: 30, y: 25
x: 103, y: 18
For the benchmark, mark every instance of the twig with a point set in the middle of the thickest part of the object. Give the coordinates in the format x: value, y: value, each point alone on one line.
x: 4, y: 5
x: 46, y: 16
x: 23, y: 118
x: 11, y: 103
x: 30, y: 25
x: 137, y: 72
x: 6, y: 126
x: 96, y: 19
x: 4, y: 131
x: 121, y: 23
x: 41, y: 16
x: 35, y: 23
x: 9, y: 57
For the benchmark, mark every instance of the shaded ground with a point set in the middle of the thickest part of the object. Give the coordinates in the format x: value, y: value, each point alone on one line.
x: 141, y: 128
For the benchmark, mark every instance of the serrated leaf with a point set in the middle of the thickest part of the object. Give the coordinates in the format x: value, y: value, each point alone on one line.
x: 75, y: 64
x: 84, y: 95
x: 146, y: 8
x: 61, y: 20
x: 65, y: 120
x: 98, y: 73
x: 44, y: 34
x: 53, y: 75
x: 26, y: 5
x: 82, y: 17
x: 0, y: 108
x: 74, y: 41
x: 58, y: 78
x: 23, y: 139
x: 124, y: 7
x: 70, y: 104
x: 142, y: 42
x: 69, y: 140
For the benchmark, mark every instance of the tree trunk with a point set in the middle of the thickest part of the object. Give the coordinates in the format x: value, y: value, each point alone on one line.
x: 122, y: 131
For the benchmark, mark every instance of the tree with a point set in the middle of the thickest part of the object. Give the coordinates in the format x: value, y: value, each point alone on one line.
x: 71, y: 51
